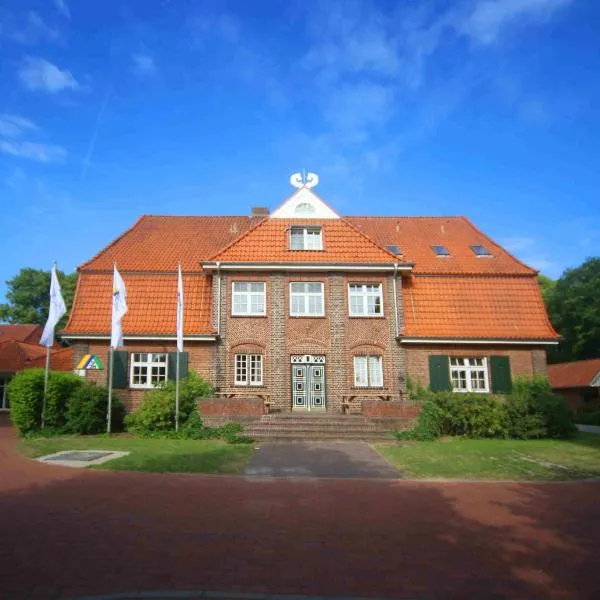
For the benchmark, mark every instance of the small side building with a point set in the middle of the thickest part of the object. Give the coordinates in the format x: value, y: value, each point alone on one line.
x: 578, y: 382
x: 20, y: 349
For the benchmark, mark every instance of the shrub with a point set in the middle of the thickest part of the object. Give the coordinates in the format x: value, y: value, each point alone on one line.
x: 588, y: 417
x: 156, y: 413
x: 61, y: 386
x: 26, y: 396
x: 535, y: 411
x: 87, y: 407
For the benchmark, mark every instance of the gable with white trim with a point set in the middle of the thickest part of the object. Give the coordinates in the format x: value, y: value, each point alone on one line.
x: 304, y: 204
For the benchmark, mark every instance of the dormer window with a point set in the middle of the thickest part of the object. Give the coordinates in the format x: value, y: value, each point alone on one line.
x: 440, y: 250
x: 306, y: 238
x: 481, y: 250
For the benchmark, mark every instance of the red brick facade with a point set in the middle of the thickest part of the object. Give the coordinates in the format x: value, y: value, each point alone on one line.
x: 523, y: 360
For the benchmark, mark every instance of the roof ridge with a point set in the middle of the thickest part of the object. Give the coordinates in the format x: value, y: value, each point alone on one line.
x: 572, y: 362
x: 111, y: 244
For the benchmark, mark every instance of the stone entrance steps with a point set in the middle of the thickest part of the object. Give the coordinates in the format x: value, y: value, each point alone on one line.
x: 319, y: 426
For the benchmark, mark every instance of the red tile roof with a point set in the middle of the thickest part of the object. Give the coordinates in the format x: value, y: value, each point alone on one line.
x: 415, y: 236
x: 470, y: 297
x: 152, y: 303
x: 156, y: 243
x: 269, y: 242
x: 15, y: 356
x: 579, y: 373
x: 475, y: 307
x: 26, y: 332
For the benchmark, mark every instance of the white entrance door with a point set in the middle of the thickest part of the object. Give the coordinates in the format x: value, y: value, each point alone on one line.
x: 308, y: 382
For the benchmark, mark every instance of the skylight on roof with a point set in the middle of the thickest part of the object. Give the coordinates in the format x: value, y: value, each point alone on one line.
x: 394, y: 249
x: 440, y: 250
x: 480, y: 250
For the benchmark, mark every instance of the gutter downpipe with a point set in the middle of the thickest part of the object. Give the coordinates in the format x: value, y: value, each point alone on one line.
x: 396, y: 299
x: 218, y: 299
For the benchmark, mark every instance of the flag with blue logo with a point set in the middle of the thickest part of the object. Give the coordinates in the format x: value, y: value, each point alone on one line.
x: 57, y: 310
x: 119, y: 308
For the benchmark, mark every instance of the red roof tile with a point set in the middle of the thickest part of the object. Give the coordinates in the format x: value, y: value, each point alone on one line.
x: 269, y: 242
x: 15, y: 356
x: 579, y: 373
x: 415, y: 236
x: 156, y: 243
x: 475, y: 307
x: 26, y: 332
x: 60, y: 360
x: 152, y: 303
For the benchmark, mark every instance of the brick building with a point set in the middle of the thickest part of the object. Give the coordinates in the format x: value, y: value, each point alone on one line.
x: 312, y: 311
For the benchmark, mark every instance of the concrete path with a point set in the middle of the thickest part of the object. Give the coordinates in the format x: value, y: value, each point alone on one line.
x: 589, y: 429
x: 343, y: 460
x: 73, y: 533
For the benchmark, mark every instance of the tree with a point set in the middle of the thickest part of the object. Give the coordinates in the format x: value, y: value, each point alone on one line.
x: 574, y: 307
x: 29, y: 296
x: 547, y: 286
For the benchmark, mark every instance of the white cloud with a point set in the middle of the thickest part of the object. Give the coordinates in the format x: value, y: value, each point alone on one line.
x: 13, y: 126
x: 488, y: 18
x: 32, y: 150
x: 143, y: 64
x: 62, y: 7
x: 38, y: 74
x: 31, y: 29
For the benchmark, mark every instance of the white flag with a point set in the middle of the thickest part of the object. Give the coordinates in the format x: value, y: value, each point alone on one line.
x: 119, y: 308
x: 57, y: 310
x: 179, y: 312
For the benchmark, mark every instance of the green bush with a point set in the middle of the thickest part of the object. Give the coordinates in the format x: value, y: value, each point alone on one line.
x: 531, y: 411
x: 61, y: 386
x: 589, y: 417
x: 26, y: 396
x: 87, y: 408
x: 535, y: 411
x: 156, y: 412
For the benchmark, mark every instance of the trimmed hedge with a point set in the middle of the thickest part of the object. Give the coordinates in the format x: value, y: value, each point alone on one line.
x: 87, y: 408
x: 531, y: 411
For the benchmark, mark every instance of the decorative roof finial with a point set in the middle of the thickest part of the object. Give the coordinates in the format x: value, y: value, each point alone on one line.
x: 308, y: 180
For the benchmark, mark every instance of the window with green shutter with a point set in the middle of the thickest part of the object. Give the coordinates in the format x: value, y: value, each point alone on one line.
x: 501, y: 379
x: 439, y: 373
x: 183, y: 365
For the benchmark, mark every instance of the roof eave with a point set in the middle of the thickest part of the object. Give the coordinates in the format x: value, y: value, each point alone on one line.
x: 304, y: 266
x: 480, y: 341
x: 204, y: 337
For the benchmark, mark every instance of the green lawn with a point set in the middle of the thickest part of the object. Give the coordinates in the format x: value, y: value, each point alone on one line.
x: 159, y: 456
x: 544, y: 460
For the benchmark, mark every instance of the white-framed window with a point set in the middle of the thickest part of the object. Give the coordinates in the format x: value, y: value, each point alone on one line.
x: 365, y: 300
x: 368, y: 371
x: 306, y: 238
x: 147, y: 369
x: 306, y: 299
x: 248, y: 369
x: 4, y: 379
x: 469, y: 374
x: 248, y: 298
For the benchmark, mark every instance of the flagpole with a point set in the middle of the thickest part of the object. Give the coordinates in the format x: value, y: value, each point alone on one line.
x: 110, y: 386
x: 45, y: 385
x: 177, y: 392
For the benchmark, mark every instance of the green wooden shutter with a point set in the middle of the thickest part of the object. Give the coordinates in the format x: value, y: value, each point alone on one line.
x: 439, y: 373
x: 183, y: 365
x: 120, y: 378
x: 501, y: 380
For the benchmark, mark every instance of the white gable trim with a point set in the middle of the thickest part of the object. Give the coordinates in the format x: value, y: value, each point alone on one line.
x: 289, y: 209
x: 596, y: 380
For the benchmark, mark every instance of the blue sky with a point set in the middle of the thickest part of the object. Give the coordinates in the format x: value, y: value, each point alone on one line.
x: 487, y: 108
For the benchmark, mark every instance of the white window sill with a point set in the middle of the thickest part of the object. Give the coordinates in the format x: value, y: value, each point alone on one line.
x: 471, y: 391
x: 144, y: 387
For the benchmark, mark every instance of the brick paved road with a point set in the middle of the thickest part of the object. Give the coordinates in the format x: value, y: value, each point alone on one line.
x: 68, y: 533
